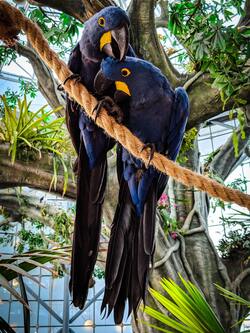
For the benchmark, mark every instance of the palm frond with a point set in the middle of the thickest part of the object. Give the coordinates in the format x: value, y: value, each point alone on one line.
x: 233, y: 297
x: 190, y: 312
x: 13, y: 266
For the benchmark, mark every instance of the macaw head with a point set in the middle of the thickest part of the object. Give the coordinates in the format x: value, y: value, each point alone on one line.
x: 133, y: 77
x: 107, y: 32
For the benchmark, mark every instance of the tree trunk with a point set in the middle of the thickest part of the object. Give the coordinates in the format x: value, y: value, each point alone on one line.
x: 194, y: 256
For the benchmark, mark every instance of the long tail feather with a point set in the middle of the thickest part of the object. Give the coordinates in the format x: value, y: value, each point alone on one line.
x: 90, y: 193
x: 130, y: 250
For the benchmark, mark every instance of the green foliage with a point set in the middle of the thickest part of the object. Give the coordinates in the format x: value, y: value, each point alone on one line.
x: 31, y: 239
x: 187, y: 144
x: 241, y: 119
x: 235, y: 243
x: 168, y: 223
x: 236, y: 240
x: 212, y: 43
x: 26, y: 88
x: 13, y: 265
x: 190, y: 311
x: 6, y: 55
x: 62, y: 226
x: 59, y: 29
x: 31, y: 133
x: 98, y: 273
x: 235, y: 299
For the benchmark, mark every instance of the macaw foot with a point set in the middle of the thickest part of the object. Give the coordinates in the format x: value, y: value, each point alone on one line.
x: 112, y: 108
x: 152, y: 151
x: 139, y: 174
x: 75, y: 77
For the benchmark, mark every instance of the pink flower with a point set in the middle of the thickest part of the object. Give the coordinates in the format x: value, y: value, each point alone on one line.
x: 164, y: 197
x: 174, y: 235
x: 163, y: 200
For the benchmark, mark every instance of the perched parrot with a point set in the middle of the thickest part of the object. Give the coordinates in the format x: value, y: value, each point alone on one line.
x: 105, y: 34
x: 157, y: 115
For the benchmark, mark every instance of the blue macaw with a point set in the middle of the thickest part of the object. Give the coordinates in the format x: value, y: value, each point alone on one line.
x: 157, y: 115
x: 105, y: 34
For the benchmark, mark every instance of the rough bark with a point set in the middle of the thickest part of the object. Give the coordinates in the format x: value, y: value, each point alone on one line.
x: 193, y: 254
x: 145, y: 41
x: 47, y: 84
x: 35, y: 174
x: 205, y: 101
x: 80, y: 9
x: 162, y: 20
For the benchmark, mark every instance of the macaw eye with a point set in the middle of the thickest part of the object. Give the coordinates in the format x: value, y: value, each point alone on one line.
x: 125, y: 72
x: 101, y: 21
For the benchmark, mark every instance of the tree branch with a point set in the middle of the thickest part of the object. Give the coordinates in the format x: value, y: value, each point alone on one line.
x: 225, y: 160
x: 168, y: 254
x: 145, y: 40
x: 162, y: 20
x: 82, y: 10
x: 46, y: 82
x: 205, y: 101
x: 37, y: 174
x: 27, y: 205
x: 237, y: 282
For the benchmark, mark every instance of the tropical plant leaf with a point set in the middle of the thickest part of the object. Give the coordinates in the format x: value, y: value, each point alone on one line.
x: 191, y: 312
x: 12, y: 265
x: 233, y: 297
x: 5, y: 284
x: 28, y: 131
x: 19, y: 270
x: 26, y: 312
x: 5, y: 327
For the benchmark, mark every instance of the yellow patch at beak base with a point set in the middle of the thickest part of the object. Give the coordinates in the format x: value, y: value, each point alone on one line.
x: 123, y: 87
x: 105, y: 39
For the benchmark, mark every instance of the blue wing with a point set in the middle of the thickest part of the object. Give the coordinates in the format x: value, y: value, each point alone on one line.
x: 179, y: 117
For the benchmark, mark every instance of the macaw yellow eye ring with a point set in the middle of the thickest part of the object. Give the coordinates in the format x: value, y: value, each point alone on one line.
x: 101, y: 21
x: 125, y: 72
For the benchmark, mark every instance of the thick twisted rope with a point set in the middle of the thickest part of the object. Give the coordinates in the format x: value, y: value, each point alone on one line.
x: 112, y: 128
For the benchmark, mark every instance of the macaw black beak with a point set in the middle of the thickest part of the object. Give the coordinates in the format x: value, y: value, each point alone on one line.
x: 101, y: 83
x: 115, y: 42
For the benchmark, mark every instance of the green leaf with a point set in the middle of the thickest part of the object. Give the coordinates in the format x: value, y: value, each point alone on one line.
x: 5, y: 284
x: 246, y: 33
x: 21, y: 271
x: 230, y: 295
x: 235, y: 143
x: 189, y: 307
